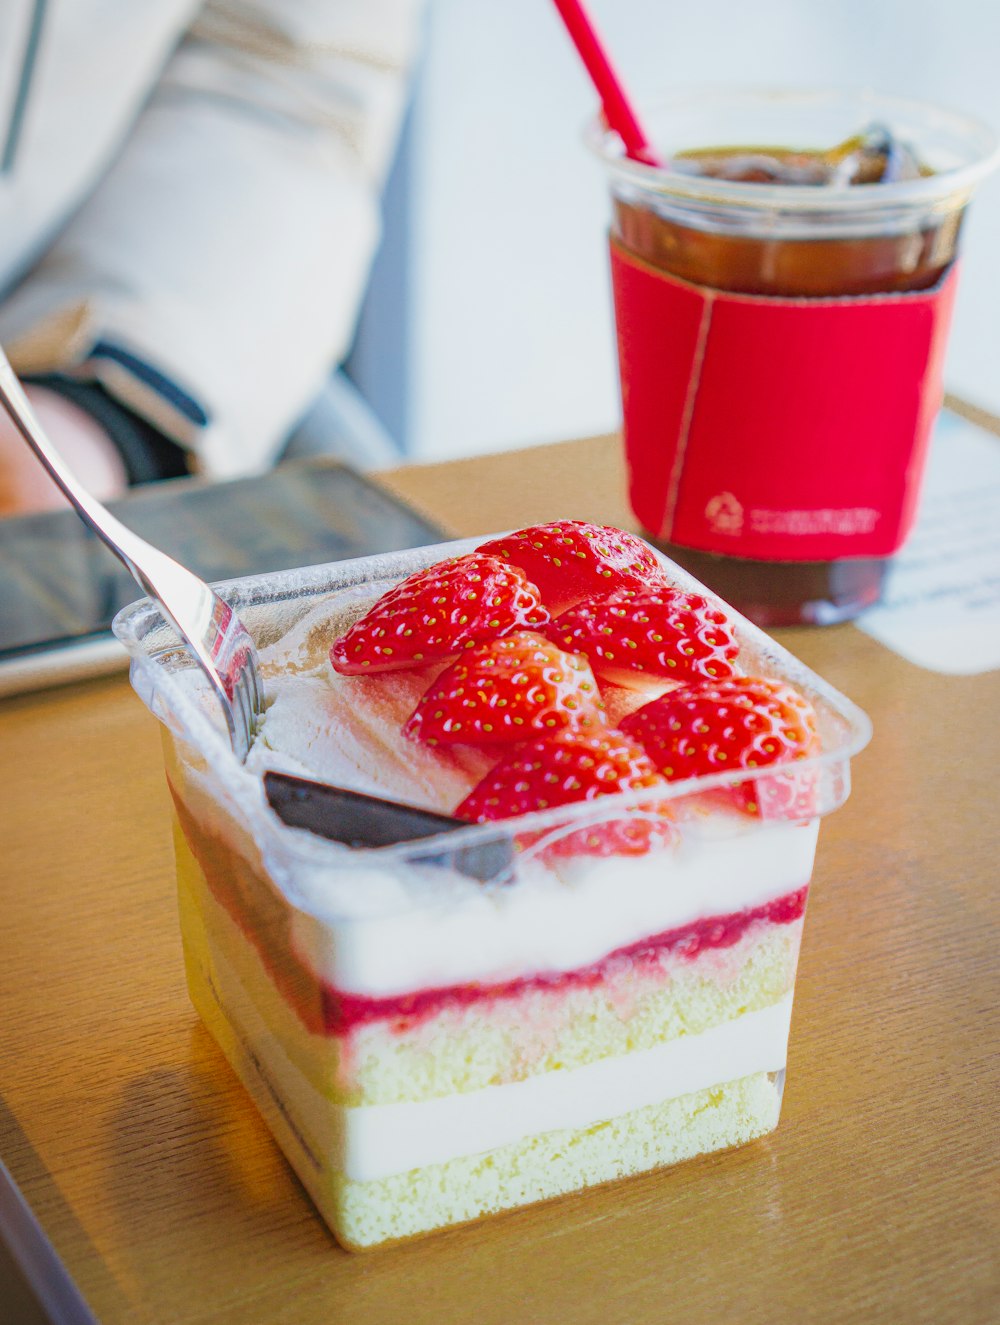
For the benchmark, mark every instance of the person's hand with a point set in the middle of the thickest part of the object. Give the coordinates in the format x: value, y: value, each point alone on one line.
x: 88, y: 451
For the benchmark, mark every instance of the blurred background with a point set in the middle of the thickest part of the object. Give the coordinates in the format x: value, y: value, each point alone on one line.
x: 488, y: 323
x: 189, y: 193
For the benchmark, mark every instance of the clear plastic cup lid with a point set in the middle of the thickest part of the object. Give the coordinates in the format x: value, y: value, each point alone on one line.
x: 959, y: 150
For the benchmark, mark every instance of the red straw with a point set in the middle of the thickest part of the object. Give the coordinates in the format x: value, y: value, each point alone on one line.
x: 617, y: 111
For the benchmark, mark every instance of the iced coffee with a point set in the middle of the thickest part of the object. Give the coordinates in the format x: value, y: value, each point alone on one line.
x: 782, y: 292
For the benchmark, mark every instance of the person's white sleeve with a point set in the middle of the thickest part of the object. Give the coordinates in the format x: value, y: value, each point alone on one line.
x: 214, y: 278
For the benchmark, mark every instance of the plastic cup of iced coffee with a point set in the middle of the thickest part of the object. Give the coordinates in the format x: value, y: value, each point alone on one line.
x: 783, y: 286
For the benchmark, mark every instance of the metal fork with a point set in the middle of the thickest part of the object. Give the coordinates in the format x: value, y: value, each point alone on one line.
x: 213, y: 633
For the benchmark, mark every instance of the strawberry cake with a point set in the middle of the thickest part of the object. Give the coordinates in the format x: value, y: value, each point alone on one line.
x: 582, y: 968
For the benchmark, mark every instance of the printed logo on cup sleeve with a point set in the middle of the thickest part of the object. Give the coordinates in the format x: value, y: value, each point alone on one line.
x: 724, y: 514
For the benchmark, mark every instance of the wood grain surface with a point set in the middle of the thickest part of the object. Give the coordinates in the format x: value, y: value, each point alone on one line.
x: 876, y: 1199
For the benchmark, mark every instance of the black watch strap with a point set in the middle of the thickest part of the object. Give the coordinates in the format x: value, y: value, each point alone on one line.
x: 146, y: 454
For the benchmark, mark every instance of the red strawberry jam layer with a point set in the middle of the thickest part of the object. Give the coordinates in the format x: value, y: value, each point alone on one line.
x: 345, y: 1012
x: 323, y: 1010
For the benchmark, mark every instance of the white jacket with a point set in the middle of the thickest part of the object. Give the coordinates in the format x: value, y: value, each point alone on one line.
x: 189, y: 200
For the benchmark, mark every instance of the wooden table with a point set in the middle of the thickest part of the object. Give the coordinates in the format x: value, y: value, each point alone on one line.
x: 876, y: 1200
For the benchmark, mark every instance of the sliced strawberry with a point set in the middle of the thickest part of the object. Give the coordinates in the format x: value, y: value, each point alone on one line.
x: 508, y: 689
x: 743, y: 723
x: 653, y: 633
x: 563, y: 769
x: 437, y: 613
x: 620, y: 701
x: 569, y: 560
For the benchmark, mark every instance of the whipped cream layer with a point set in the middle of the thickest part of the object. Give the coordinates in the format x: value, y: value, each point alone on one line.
x: 554, y: 920
x: 347, y: 730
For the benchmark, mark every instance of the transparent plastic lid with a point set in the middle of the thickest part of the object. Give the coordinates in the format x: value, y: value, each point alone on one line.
x: 959, y: 150
x: 272, y: 606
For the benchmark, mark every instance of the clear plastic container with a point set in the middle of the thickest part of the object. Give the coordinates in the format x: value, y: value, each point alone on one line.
x: 428, y: 1046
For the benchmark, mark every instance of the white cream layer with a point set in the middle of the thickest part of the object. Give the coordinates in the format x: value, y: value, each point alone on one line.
x: 382, y: 1139
x: 449, y: 931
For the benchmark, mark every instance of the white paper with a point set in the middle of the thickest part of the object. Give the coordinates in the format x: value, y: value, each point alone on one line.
x: 941, y: 606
